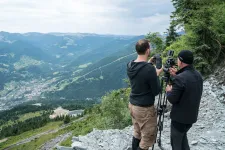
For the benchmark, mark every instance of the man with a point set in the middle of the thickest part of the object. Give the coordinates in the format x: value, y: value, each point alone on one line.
x: 184, y: 95
x: 144, y: 87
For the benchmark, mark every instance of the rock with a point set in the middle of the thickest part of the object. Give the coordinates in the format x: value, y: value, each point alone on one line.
x: 75, y: 139
x: 203, y: 141
x: 129, y: 148
x: 63, y: 148
x: 167, y: 114
x: 194, y: 142
x: 78, y: 146
x: 206, y: 83
x: 223, y: 88
x: 212, y: 93
x: 202, y: 127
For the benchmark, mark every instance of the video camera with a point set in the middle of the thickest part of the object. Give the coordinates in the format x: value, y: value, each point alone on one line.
x: 170, y: 62
x: 157, y: 60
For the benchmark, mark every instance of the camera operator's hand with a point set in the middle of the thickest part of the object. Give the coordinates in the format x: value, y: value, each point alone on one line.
x: 158, y: 71
x: 173, y: 71
x: 169, y: 88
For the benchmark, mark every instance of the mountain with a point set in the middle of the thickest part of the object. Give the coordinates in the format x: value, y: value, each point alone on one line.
x: 61, y: 65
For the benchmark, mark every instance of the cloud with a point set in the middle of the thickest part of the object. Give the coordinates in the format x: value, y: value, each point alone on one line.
x: 100, y: 16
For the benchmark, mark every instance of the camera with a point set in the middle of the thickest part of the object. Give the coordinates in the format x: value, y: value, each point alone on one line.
x: 157, y: 60
x: 170, y: 62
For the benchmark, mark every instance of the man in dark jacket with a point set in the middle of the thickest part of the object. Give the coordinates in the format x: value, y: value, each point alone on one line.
x: 184, y: 95
x: 145, y: 86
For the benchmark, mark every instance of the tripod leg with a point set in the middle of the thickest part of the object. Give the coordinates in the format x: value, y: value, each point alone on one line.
x: 161, y: 106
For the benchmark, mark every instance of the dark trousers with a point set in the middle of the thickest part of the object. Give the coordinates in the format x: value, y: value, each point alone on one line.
x: 178, y: 136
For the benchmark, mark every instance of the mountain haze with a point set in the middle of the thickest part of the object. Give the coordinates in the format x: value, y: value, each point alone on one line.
x: 61, y: 65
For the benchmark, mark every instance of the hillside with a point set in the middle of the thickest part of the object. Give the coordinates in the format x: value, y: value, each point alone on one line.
x: 113, y: 113
x: 206, y: 134
x: 61, y: 65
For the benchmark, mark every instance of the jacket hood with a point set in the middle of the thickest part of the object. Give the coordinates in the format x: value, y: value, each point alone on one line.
x: 134, y: 67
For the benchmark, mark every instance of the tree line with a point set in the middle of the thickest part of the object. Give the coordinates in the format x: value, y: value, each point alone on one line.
x: 203, y: 23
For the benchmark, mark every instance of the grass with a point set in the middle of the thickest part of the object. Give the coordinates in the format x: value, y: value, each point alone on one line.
x: 67, y: 142
x: 26, y: 61
x: 75, y: 79
x: 77, y: 71
x: 55, y: 73
x: 84, y: 65
x: 3, y: 69
x: 8, y: 87
x: 29, y: 115
x: 8, y: 123
x: 38, y: 142
x: 102, y: 116
x: 22, y: 118
x: 101, y: 77
x: 81, y: 128
x: 63, y: 84
x: 13, y: 139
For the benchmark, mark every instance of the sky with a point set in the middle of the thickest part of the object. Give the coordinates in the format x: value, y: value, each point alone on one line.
x: 120, y: 17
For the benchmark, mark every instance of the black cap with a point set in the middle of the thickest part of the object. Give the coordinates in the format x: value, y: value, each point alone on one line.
x: 186, y: 56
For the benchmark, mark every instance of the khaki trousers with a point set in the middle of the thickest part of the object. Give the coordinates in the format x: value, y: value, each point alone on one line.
x: 145, y: 124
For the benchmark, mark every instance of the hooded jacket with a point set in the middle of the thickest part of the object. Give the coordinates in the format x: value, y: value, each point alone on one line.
x: 144, y: 83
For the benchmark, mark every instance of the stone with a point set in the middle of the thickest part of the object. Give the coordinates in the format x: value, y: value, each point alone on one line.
x: 129, y: 148
x: 63, y: 148
x: 223, y: 87
x: 78, y: 146
x: 194, y: 142
x: 203, y: 141
x: 206, y: 83
x: 75, y: 138
x: 214, y: 140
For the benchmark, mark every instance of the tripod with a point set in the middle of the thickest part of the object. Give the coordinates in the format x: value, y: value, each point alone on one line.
x: 161, y: 107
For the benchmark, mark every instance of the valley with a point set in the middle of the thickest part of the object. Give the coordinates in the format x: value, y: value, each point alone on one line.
x: 63, y: 77
x: 36, y: 66
x: 42, y: 72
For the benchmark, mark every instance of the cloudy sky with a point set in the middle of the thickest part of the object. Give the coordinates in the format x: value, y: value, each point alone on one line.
x: 124, y: 17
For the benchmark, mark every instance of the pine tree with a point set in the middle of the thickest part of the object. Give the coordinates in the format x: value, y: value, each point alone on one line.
x: 66, y: 119
x: 203, y: 24
x: 156, y: 41
x: 172, y: 35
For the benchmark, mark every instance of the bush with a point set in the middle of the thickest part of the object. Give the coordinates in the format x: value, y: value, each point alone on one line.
x: 67, y: 119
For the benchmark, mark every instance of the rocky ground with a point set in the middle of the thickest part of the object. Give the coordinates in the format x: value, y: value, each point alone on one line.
x: 53, y: 142
x: 207, y: 134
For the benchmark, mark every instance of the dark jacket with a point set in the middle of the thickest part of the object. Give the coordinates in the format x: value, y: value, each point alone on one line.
x: 186, y: 95
x: 144, y: 83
